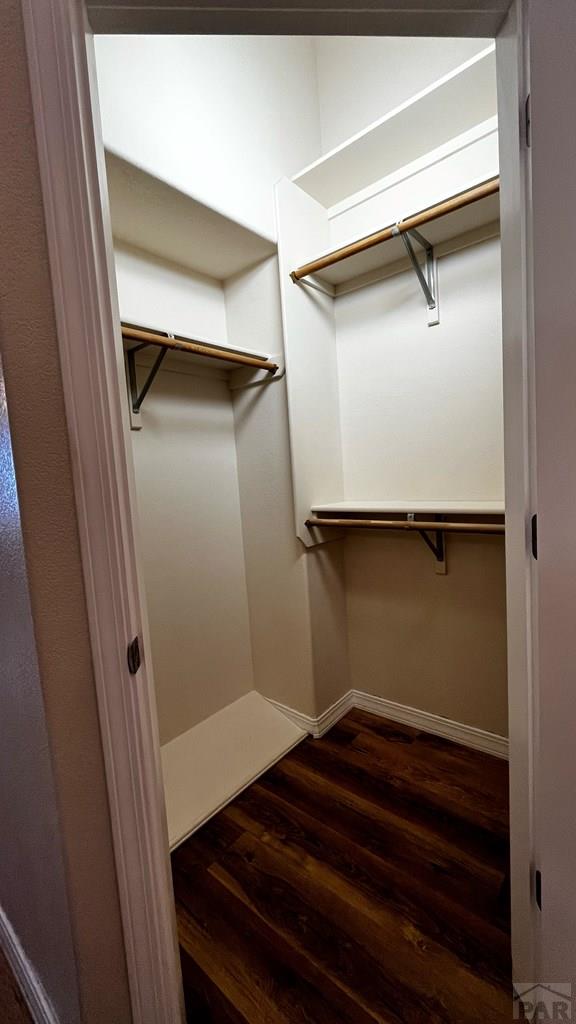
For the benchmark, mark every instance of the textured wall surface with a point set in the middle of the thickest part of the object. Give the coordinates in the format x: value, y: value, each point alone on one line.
x: 193, y: 559
x: 276, y: 568
x: 49, y: 527
x: 221, y: 118
x: 38, y: 909
x: 362, y: 78
x: 427, y: 421
x: 436, y: 643
x: 165, y: 296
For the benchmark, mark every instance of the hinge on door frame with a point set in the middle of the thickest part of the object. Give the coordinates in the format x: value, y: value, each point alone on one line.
x: 534, y: 535
x: 528, y: 121
x: 133, y: 656
x: 538, y: 888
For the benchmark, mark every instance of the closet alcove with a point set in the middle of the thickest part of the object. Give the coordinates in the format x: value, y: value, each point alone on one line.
x: 196, y: 358
x: 321, y: 514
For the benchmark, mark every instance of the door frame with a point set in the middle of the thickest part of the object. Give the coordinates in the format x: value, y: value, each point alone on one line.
x: 61, y: 70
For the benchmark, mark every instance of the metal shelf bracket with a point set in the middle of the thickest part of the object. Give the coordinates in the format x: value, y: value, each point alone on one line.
x: 137, y: 397
x: 436, y: 544
x: 427, y: 277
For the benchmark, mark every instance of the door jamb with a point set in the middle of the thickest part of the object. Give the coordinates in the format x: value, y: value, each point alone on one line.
x: 513, y: 89
x: 80, y: 247
x: 71, y: 163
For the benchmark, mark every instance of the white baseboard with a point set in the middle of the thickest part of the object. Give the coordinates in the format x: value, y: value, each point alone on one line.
x: 467, y: 735
x: 318, y: 726
x: 32, y: 989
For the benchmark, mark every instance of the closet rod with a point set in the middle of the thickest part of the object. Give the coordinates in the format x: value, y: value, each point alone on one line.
x: 472, y: 195
x: 196, y: 348
x: 408, y: 524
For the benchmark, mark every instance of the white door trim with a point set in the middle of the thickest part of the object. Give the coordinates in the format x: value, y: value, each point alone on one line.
x: 79, y: 240
x: 553, y: 227
x: 79, y: 244
x: 482, y: 18
x: 519, y: 471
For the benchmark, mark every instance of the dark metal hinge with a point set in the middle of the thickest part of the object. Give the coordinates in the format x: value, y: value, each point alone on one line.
x: 538, y: 889
x: 534, y: 533
x: 133, y: 655
x: 528, y: 121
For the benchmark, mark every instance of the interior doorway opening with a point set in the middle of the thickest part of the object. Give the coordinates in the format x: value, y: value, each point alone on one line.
x: 306, y: 237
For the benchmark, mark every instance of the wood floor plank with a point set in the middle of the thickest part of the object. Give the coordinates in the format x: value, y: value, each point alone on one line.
x: 266, y: 977
x: 478, y: 943
x: 392, y: 835
x: 353, y: 883
x: 449, y: 785
x: 204, y: 1000
x: 489, y: 773
x: 431, y: 784
x: 424, y: 803
x: 387, y: 960
x: 357, y: 721
x: 210, y: 841
x: 13, y: 1009
x: 297, y: 919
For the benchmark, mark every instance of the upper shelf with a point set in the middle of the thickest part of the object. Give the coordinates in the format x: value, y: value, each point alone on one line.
x: 451, y: 105
x: 151, y: 215
x: 456, y: 216
x: 405, y: 506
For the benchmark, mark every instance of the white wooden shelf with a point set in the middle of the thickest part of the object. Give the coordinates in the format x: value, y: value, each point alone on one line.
x: 151, y: 215
x: 457, y: 227
x: 401, y: 506
x: 465, y: 96
x: 146, y: 355
x: 211, y: 763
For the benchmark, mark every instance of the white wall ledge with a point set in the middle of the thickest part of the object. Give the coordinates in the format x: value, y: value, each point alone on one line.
x: 396, y: 505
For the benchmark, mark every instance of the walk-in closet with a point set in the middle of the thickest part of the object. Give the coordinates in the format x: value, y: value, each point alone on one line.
x: 307, y: 256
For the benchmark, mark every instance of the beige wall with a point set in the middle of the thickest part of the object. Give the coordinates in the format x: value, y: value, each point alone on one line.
x: 220, y: 118
x: 188, y: 500
x: 328, y: 621
x: 297, y: 609
x: 431, y: 408
x: 422, y: 407
x: 275, y: 567
x: 234, y: 602
x: 56, y: 731
x: 192, y: 549
x: 28, y: 801
x: 436, y: 643
x: 156, y: 293
x: 362, y: 78
x: 426, y: 423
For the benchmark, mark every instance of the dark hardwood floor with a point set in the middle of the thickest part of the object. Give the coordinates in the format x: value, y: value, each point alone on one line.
x: 360, y: 880
x: 13, y: 1009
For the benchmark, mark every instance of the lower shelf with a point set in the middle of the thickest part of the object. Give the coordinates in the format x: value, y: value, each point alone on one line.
x: 405, y: 505
x: 214, y: 761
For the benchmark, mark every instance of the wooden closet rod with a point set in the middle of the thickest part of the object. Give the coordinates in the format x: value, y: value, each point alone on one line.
x: 472, y: 195
x: 408, y: 524
x: 197, y: 348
